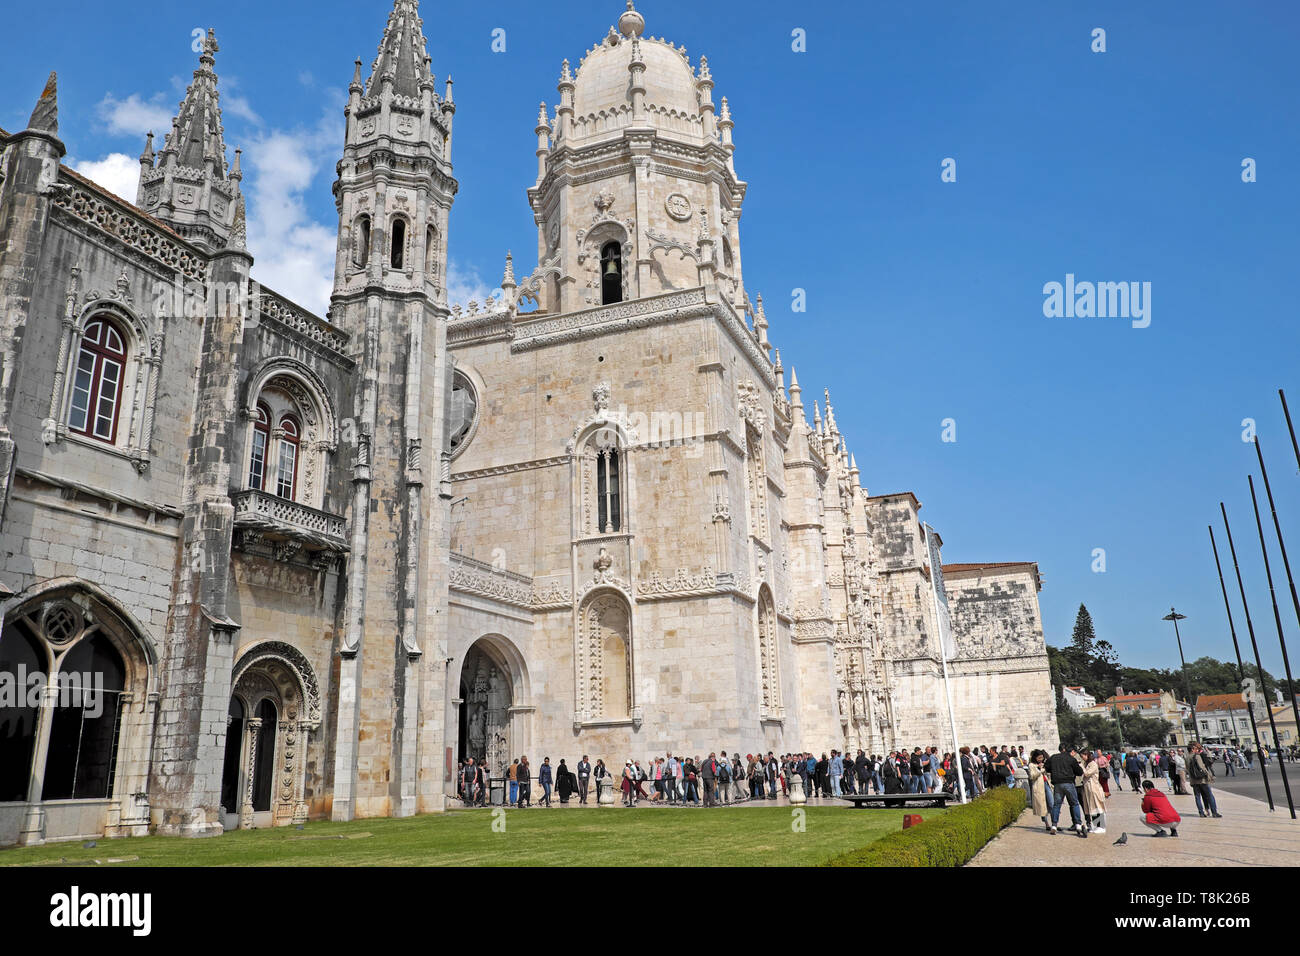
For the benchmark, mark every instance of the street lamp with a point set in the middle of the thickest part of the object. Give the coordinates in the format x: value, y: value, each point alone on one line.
x: 1187, y: 686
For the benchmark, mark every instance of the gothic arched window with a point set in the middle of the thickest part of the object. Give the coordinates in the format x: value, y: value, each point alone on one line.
x: 397, y: 243
x: 611, y: 273
x: 602, y: 476
x: 464, y: 413
x: 286, y: 475
x: 361, y: 242
x: 97, y: 384
x: 261, y: 445
x: 609, y: 514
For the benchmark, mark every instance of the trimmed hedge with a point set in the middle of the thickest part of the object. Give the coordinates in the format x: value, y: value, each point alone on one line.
x: 949, y: 839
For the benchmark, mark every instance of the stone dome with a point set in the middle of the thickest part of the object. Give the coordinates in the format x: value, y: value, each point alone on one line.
x: 601, y: 94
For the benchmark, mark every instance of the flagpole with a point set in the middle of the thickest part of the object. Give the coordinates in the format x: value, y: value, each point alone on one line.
x: 1241, y: 668
x: 1291, y: 428
x: 1286, y: 661
x: 1250, y: 628
x: 943, y: 657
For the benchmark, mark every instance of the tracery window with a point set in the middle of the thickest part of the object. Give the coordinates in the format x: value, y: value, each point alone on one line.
x: 84, y: 711
x: 463, y: 413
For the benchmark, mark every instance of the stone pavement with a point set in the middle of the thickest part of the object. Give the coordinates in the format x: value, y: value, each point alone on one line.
x: 1248, y: 835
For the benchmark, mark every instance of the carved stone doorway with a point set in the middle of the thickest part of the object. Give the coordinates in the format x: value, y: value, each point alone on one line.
x: 273, y: 708
x: 486, y: 714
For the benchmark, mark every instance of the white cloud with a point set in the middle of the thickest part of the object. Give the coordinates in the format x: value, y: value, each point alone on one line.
x: 240, y: 107
x: 293, y: 253
x: 134, y: 116
x: 116, y: 172
x: 464, y: 284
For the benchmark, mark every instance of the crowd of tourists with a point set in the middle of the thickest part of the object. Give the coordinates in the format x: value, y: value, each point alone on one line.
x: 722, y: 778
x: 1081, y: 779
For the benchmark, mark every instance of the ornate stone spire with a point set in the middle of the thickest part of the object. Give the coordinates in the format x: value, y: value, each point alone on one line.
x: 45, y: 117
x: 508, y: 283
x: 796, y: 394
x: 402, y: 58
x: 830, y: 415
x: 188, y: 185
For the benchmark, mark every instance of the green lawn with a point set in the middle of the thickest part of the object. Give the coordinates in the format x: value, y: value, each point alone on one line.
x: 760, y: 836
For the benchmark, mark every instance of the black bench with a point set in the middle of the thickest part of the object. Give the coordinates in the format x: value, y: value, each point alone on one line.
x: 897, y: 799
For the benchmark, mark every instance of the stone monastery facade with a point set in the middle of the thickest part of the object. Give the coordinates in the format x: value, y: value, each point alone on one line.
x: 310, y: 562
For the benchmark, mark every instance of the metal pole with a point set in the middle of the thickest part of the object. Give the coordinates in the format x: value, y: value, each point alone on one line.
x: 1241, y: 668
x: 943, y: 656
x: 1277, y: 527
x: 1187, y: 684
x: 1250, y: 628
x: 1291, y: 428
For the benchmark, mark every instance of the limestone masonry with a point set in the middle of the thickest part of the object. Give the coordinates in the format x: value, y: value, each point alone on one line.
x: 316, y: 560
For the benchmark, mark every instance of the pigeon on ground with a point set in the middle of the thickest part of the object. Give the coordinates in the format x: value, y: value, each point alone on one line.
x: 89, y: 846
x: 1122, y: 841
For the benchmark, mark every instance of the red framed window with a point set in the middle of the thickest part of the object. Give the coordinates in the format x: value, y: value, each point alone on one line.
x: 257, y: 455
x: 97, y: 383
x: 286, y: 477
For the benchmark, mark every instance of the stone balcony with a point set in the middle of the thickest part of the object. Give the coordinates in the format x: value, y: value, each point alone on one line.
x: 286, y: 526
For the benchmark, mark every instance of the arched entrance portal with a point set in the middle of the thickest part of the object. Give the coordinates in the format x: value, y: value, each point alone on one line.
x: 488, y: 691
x: 273, y: 707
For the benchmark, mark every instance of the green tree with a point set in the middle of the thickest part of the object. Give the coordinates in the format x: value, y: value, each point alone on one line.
x: 1142, y: 731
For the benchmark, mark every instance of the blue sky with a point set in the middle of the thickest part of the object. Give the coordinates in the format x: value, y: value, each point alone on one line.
x: 925, y: 298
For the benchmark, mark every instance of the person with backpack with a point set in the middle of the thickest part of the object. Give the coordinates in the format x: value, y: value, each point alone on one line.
x: 724, y: 780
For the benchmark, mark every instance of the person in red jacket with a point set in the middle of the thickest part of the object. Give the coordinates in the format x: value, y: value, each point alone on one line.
x: 1157, y: 812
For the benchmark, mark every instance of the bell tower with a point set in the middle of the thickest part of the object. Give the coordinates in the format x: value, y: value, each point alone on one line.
x: 393, y: 194
x: 636, y: 186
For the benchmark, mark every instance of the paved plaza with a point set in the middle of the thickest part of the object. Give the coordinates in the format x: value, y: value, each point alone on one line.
x: 1248, y: 835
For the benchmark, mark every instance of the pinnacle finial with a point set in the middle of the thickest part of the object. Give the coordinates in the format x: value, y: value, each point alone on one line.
x: 237, y: 170
x: 146, y: 157
x: 509, y: 281
x: 46, y: 114
x: 356, y: 74
x: 631, y: 23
